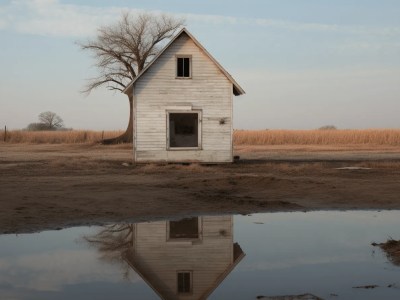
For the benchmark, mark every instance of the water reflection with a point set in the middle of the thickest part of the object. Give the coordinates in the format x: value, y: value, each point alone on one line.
x: 392, y: 250
x: 319, y: 253
x: 179, y: 259
x: 112, y: 241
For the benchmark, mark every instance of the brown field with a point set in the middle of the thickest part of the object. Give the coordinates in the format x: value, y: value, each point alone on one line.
x: 48, y: 186
x: 57, y: 137
x: 318, y: 137
x: 385, y: 137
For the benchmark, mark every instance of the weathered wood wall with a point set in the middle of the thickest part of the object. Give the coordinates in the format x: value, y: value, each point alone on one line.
x: 208, y: 258
x: 208, y: 90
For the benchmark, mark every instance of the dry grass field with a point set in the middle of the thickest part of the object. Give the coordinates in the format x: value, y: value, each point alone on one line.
x: 318, y: 137
x: 57, y: 137
x: 388, y: 137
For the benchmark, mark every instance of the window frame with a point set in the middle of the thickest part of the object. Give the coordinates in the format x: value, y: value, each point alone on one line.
x: 191, y: 282
x: 199, y: 129
x: 176, y: 66
x: 200, y: 233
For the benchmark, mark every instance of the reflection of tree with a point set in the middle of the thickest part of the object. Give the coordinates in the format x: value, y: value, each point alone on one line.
x: 112, y: 241
x: 173, y: 257
x: 392, y: 250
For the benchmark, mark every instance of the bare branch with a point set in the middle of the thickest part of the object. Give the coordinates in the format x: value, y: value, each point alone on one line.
x: 123, y: 49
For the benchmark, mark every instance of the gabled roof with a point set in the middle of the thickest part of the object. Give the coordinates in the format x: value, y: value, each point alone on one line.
x: 237, y: 90
x: 160, y: 287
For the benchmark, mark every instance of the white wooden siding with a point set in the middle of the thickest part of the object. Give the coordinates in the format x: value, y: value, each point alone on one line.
x: 207, y: 258
x: 208, y: 90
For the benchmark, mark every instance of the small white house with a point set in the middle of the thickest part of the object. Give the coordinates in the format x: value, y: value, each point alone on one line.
x: 183, y: 102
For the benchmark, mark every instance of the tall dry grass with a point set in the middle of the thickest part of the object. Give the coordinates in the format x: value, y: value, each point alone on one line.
x: 318, y: 137
x: 57, y: 137
x: 241, y: 137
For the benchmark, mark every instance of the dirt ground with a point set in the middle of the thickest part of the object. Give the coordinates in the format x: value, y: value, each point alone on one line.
x: 54, y: 186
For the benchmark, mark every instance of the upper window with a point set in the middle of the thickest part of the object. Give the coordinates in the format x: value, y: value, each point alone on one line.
x: 183, y: 67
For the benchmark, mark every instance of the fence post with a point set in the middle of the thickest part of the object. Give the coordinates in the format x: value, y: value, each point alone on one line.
x: 102, y: 135
x: 5, y: 133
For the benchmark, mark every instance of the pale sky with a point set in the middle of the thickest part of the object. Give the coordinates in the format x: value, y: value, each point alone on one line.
x: 303, y: 63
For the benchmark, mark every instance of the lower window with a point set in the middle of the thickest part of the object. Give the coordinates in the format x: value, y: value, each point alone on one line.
x: 183, y: 130
x: 184, y: 282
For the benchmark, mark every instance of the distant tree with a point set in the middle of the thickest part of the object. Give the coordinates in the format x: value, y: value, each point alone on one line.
x: 48, y: 120
x: 123, y: 49
x: 328, y: 127
x: 36, y: 127
x: 51, y: 120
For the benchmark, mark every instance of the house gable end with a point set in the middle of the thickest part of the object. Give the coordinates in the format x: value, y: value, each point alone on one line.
x: 237, y: 90
x: 162, y: 75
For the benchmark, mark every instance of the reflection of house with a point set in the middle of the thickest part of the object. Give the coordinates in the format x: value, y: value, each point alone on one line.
x: 184, y: 259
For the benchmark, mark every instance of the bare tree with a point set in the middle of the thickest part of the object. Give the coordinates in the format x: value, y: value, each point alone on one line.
x: 50, y: 120
x: 112, y: 243
x: 123, y: 49
x: 36, y: 127
x: 328, y: 127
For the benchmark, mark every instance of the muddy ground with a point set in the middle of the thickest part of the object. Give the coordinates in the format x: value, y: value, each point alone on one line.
x: 54, y: 186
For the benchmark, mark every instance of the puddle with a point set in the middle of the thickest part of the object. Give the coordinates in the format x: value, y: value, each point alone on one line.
x: 326, y: 254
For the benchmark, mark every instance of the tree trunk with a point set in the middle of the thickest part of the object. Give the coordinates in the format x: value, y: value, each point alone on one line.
x: 127, y: 136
